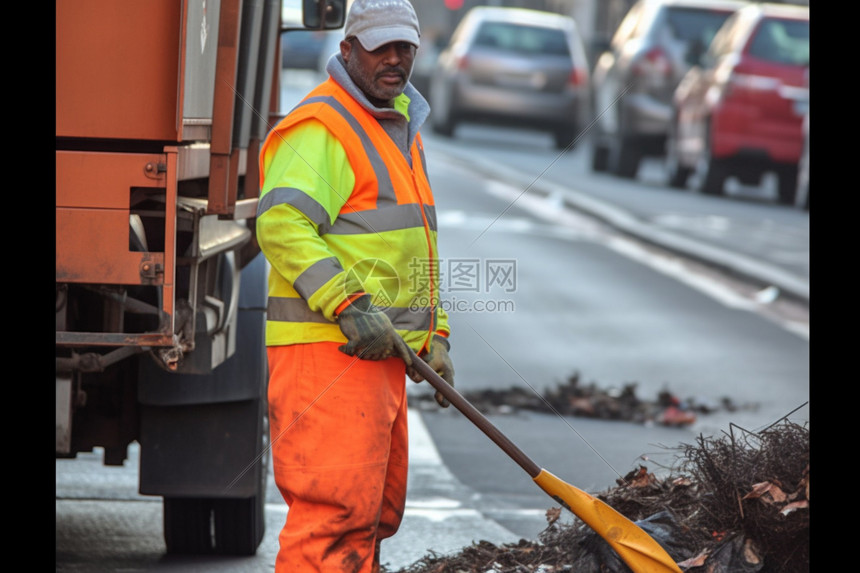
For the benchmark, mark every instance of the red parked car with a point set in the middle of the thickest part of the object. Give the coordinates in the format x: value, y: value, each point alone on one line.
x: 739, y: 110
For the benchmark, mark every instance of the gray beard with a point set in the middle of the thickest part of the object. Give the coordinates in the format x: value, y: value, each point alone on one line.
x: 376, y: 96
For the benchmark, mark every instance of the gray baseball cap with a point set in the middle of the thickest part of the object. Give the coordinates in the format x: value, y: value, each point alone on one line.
x: 378, y: 22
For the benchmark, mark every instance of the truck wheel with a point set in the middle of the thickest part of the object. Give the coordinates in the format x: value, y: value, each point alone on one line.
x: 220, y: 526
x: 204, y: 437
x: 200, y: 526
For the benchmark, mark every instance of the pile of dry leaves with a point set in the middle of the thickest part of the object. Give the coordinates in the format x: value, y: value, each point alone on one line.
x: 574, y: 398
x: 734, y: 503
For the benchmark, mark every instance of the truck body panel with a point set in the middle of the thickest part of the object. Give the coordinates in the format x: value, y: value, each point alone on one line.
x: 128, y: 53
x: 160, y: 284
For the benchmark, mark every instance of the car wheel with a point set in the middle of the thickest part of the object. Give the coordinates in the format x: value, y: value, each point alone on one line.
x: 711, y: 171
x: 678, y: 174
x: 625, y: 157
x: 599, y: 157
x: 787, y: 185
x: 565, y: 138
x: 442, y: 116
x: 443, y: 125
x: 713, y: 176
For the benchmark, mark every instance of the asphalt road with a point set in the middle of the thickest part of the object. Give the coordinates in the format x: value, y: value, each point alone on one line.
x: 579, y: 307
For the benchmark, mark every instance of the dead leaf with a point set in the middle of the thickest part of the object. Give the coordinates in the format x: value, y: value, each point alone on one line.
x: 802, y: 504
x: 696, y: 561
x: 632, y: 476
x: 637, y: 478
x: 642, y: 478
x: 804, y: 482
x: 582, y: 406
x: 552, y: 515
x: 751, y: 554
x: 768, y: 491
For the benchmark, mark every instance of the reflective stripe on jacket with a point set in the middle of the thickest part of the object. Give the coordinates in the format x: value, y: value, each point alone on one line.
x: 377, y: 237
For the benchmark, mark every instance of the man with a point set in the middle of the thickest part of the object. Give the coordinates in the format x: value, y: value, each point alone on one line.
x: 347, y: 221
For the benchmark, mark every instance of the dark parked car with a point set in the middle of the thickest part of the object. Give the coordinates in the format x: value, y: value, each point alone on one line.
x: 302, y: 49
x: 633, y: 81
x: 739, y: 111
x: 514, y: 67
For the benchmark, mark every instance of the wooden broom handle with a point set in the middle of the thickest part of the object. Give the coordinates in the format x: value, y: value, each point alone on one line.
x: 476, y: 417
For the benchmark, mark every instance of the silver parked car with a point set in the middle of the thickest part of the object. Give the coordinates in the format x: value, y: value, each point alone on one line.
x: 513, y: 67
x: 634, y: 80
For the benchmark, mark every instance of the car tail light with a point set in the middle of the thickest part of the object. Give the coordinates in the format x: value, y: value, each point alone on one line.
x: 577, y: 78
x: 462, y: 62
x: 654, y: 65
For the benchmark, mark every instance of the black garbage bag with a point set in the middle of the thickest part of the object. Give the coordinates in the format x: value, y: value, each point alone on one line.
x: 595, y: 555
x: 737, y: 554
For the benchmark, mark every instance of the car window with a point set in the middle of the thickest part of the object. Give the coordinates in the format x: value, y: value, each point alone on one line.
x: 782, y: 41
x: 523, y: 39
x: 302, y: 40
x: 691, y: 25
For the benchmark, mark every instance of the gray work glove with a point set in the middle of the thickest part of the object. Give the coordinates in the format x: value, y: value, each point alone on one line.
x: 437, y: 358
x: 369, y: 333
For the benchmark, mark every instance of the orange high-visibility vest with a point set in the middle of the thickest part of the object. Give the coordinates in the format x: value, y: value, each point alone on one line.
x: 382, y: 241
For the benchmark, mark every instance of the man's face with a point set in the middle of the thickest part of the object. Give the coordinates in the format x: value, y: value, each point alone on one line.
x: 381, y: 74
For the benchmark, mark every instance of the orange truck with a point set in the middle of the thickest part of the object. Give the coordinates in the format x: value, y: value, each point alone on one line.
x: 161, y: 106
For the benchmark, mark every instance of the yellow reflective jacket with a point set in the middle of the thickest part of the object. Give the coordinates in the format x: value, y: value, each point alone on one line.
x: 342, y: 212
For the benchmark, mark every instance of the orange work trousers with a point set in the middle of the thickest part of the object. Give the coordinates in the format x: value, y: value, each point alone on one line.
x: 339, y: 454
